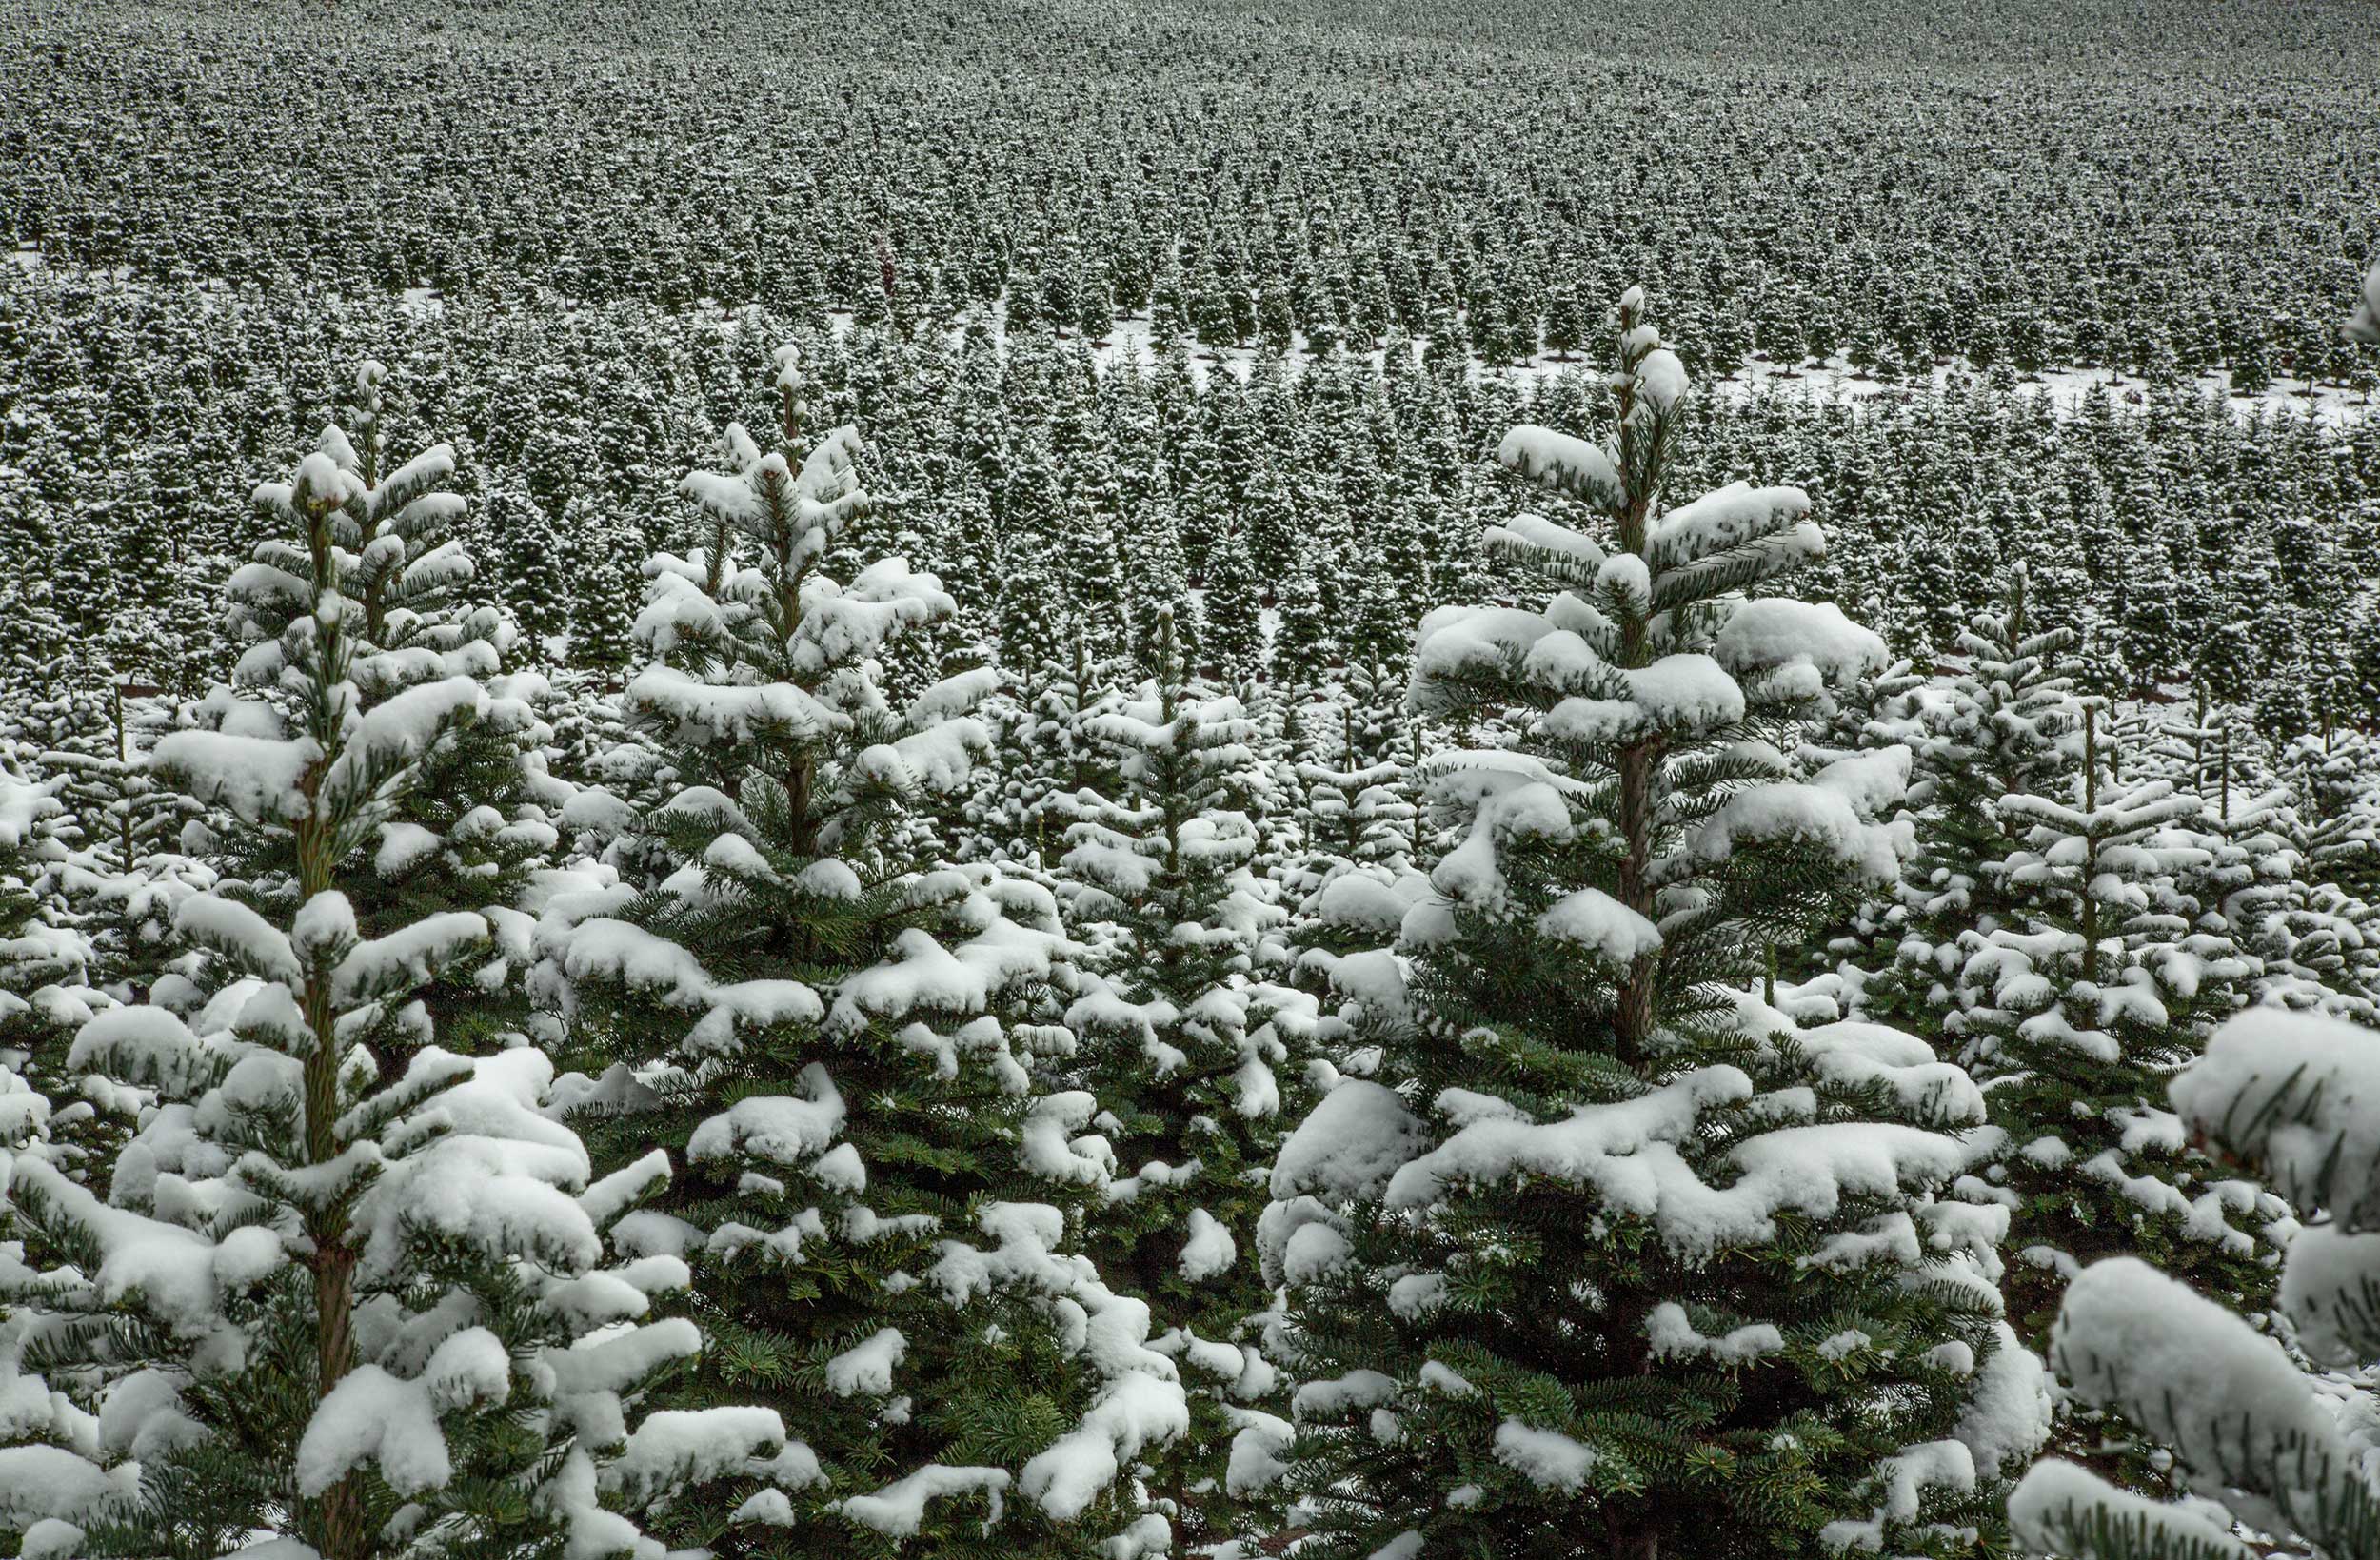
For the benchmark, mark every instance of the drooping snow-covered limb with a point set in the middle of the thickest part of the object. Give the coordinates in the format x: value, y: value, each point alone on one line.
x: 2294, y: 1093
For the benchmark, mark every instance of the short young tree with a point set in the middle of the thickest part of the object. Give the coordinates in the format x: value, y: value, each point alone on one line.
x: 1183, y: 1053
x: 835, y: 1037
x: 2073, y: 1012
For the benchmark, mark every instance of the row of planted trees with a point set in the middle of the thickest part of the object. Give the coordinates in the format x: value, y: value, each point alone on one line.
x: 468, y: 1160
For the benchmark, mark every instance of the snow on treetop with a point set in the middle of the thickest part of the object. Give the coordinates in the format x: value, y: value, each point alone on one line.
x: 1662, y: 379
x: 797, y: 515
x: 320, y: 479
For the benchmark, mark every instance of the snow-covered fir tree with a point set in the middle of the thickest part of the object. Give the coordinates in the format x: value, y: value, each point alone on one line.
x: 46, y: 953
x: 1610, y: 1257
x: 1188, y: 1048
x: 2316, y: 945
x: 836, y: 1039
x: 2102, y: 981
x: 2334, y: 783
x: 343, y: 1284
x: 1356, y: 877
x: 2007, y: 725
x: 129, y: 871
x: 476, y: 822
x: 1045, y: 752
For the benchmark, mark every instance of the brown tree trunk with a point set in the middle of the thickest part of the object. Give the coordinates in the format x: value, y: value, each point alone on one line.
x: 340, y: 1510
x: 1634, y: 1022
x: 1633, y: 1540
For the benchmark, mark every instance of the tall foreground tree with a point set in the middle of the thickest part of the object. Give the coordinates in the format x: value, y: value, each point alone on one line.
x: 343, y: 1285
x: 836, y: 1039
x: 1611, y: 1259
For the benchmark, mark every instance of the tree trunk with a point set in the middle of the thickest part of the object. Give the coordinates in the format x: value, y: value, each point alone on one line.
x: 1634, y: 1022
x: 340, y: 1512
x: 1633, y: 1540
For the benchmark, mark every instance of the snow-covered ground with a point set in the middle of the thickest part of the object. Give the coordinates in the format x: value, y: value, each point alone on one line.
x: 1830, y: 379
x: 2066, y: 387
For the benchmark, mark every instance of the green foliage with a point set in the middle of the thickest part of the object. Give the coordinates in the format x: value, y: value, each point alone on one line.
x: 1541, y: 1346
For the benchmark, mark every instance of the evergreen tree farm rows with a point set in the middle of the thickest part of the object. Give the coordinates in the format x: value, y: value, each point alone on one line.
x: 941, y: 1060
x: 2064, y: 183
x: 2204, y: 554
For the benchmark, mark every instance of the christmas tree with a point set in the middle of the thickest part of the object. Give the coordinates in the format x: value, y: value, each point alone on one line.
x: 836, y: 1039
x: 1612, y: 1258
x: 343, y: 1284
x: 1182, y: 1055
